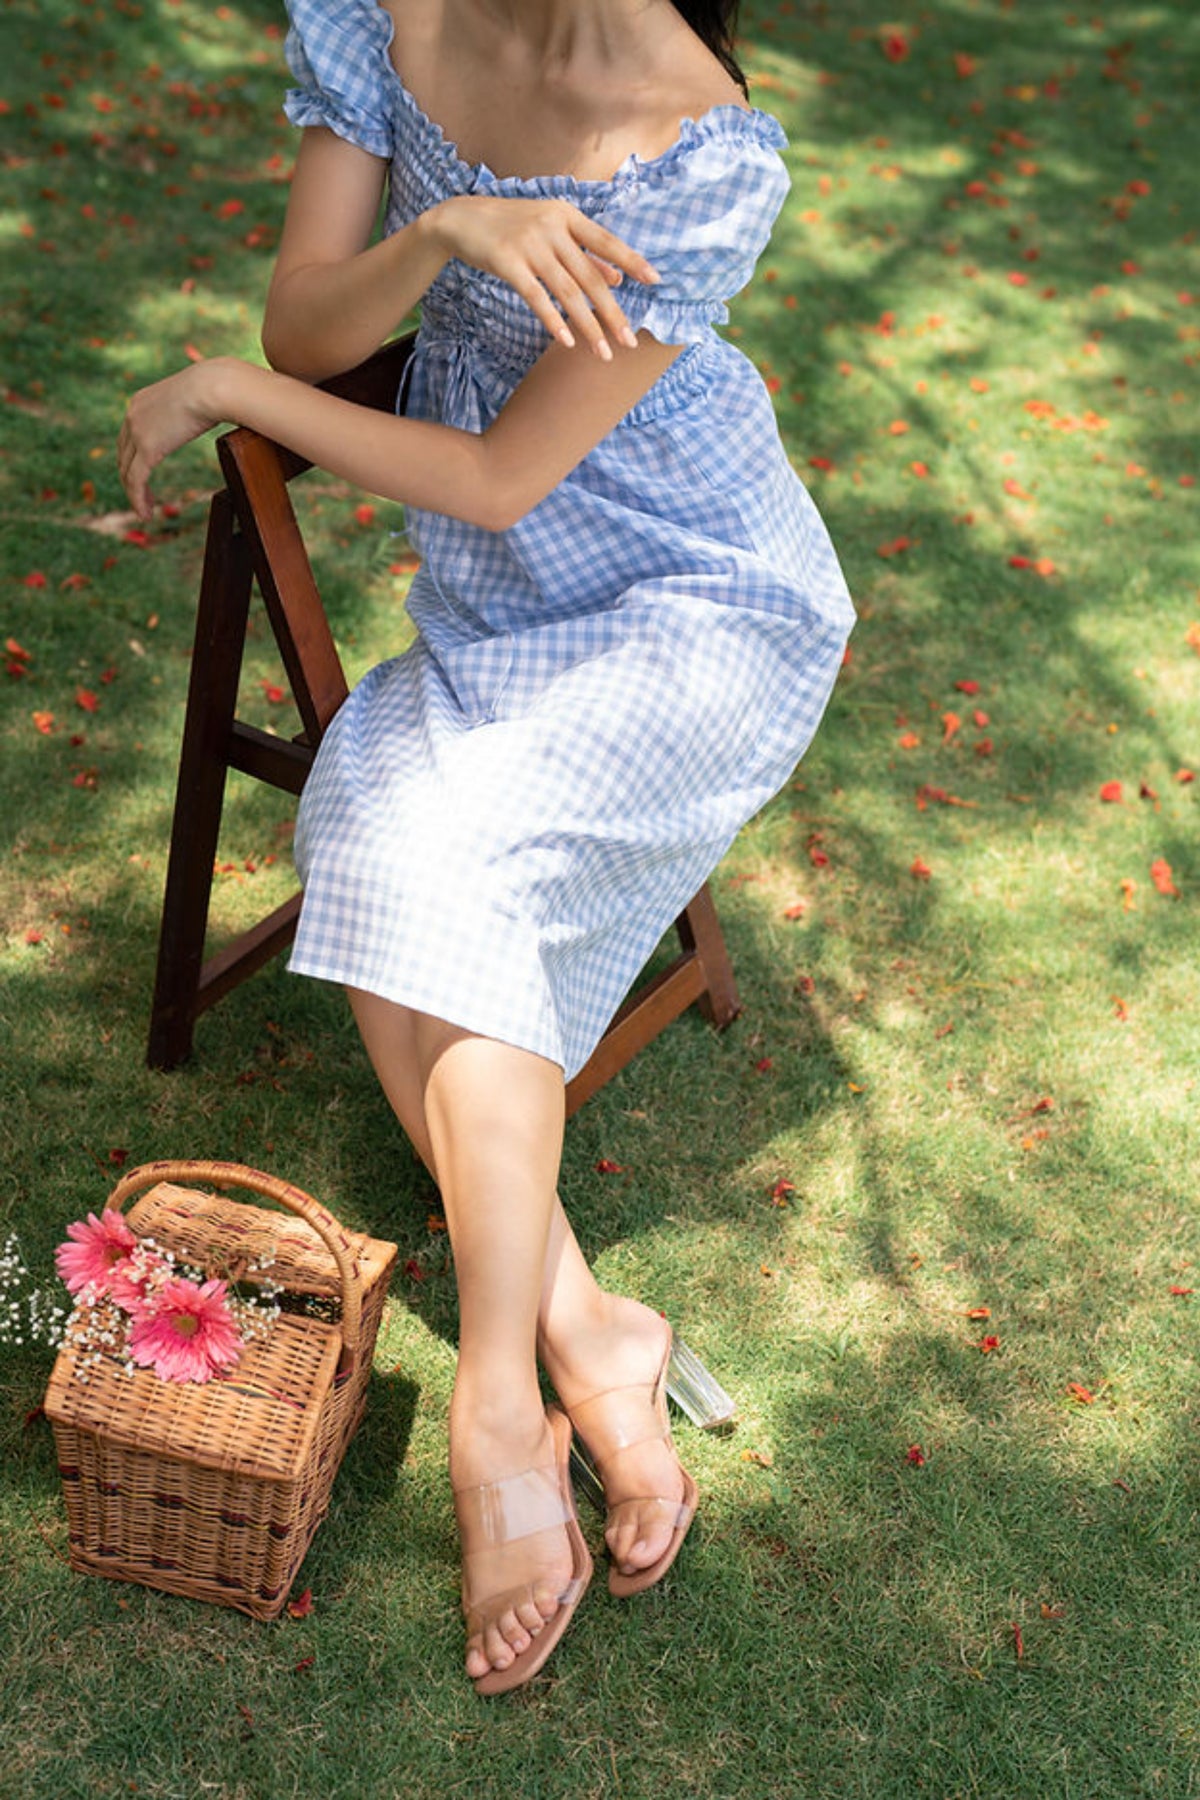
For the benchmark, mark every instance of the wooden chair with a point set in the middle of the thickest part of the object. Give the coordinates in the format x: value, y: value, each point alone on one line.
x: 253, y: 537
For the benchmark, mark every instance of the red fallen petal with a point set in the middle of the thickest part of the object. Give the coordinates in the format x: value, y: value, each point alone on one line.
x: 275, y: 694
x: 1020, y: 562
x: 981, y: 718
x: 818, y: 858
x: 1182, y: 1290
x: 894, y: 548
x: 192, y: 354
x: 118, y: 1157
x: 108, y: 676
x: 15, y: 649
x: 229, y: 209
x: 35, y: 579
x: 796, y: 910
x: 1146, y: 792
x: 44, y: 722
x: 951, y: 723
x: 607, y: 1167
x: 1078, y: 1392
x: 300, y: 1608
x: 365, y: 514
x: 967, y: 687
x: 898, y: 427
x: 72, y: 583
x: 979, y: 1312
x: 920, y: 870
x: 1160, y: 875
x: 781, y: 1190
x: 140, y: 539
x: 85, y: 699
x: 915, y: 1455
x: 984, y: 747
x: 15, y: 670
x: 920, y: 470
x: 306, y: 1662
x: 413, y: 1270
x: 820, y: 462
x: 1120, y: 1010
x: 33, y: 935
x: 988, y: 1344
x: 764, y: 1065
x: 896, y: 47
x: 805, y: 984
x: 1111, y: 791
x: 1185, y: 775
x: 1044, y: 1105
x: 909, y: 741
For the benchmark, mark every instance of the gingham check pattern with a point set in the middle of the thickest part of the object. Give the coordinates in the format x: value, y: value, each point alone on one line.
x: 502, y: 822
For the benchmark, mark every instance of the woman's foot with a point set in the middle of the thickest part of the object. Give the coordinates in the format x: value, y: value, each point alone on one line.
x: 608, y: 1376
x: 524, y: 1561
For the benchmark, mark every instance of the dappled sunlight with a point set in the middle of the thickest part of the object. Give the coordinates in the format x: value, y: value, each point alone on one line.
x: 927, y: 1208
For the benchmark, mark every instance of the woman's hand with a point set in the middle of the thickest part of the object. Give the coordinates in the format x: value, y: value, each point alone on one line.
x: 548, y: 252
x: 160, y: 419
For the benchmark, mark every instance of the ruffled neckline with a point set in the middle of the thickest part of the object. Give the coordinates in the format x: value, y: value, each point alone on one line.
x: 725, y: 122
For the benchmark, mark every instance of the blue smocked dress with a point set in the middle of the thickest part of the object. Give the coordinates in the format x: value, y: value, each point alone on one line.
x: 502, y: 822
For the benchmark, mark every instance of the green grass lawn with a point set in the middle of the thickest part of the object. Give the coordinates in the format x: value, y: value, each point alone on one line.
x: 946, y: 1552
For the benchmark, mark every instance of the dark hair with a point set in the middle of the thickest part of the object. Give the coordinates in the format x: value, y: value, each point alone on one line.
x: 715, y: 23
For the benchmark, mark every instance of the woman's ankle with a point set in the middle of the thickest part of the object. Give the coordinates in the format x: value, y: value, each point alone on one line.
x: 495, y: 1432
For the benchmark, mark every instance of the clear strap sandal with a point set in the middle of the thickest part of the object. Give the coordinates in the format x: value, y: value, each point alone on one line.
x: 504, y: 1512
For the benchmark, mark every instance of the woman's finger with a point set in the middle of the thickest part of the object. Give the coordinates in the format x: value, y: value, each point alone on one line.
x: 525, y: 283
x: 580, y: 285
x: 606, y: 245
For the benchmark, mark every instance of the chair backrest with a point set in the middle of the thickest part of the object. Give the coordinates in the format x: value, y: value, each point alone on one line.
x: 257, y: 472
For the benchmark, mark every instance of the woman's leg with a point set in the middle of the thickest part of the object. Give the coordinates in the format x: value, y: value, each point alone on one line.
x: 589, y: 1341
x: 488, y: 1119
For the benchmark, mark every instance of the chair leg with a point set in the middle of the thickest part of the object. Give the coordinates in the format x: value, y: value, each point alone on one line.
x: 701, y: 974
x: 221, y: 620
x: 700, y: 931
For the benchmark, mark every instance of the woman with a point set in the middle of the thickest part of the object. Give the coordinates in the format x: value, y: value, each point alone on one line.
x: 629, y: 619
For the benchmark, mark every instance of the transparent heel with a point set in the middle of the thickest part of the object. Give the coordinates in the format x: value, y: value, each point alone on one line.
x: 585, y: 1476
x: 695, y: 1391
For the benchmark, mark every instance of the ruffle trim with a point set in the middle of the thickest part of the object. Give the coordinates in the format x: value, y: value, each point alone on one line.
x: 720, y: 124
x: 303, y: 107
x: 670, y: 321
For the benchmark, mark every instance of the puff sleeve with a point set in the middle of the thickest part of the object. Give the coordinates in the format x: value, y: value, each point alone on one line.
x: 338, y: 53
x: 702, y: 214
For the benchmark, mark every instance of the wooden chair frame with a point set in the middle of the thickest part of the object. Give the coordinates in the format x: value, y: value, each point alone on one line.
x: 254, y: 537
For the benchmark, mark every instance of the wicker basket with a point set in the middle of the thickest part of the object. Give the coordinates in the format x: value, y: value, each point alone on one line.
x: 214, y: 1490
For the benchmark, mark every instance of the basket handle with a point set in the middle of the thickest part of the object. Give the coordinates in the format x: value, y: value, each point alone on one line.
x: 293, y: 1199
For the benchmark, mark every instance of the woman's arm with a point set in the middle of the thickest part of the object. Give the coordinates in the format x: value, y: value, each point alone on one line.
x: 560, y: 411
x: 335, y: 296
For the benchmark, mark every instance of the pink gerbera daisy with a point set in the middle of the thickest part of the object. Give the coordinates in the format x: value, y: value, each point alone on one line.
x: 95, y: 1255
x: 186, y: 1332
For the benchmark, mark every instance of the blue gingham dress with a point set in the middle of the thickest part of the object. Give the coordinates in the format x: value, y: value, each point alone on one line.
x: 502, y: 822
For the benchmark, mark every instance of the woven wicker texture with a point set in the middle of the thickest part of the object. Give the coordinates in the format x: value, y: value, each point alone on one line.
x: 214, y: 1490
